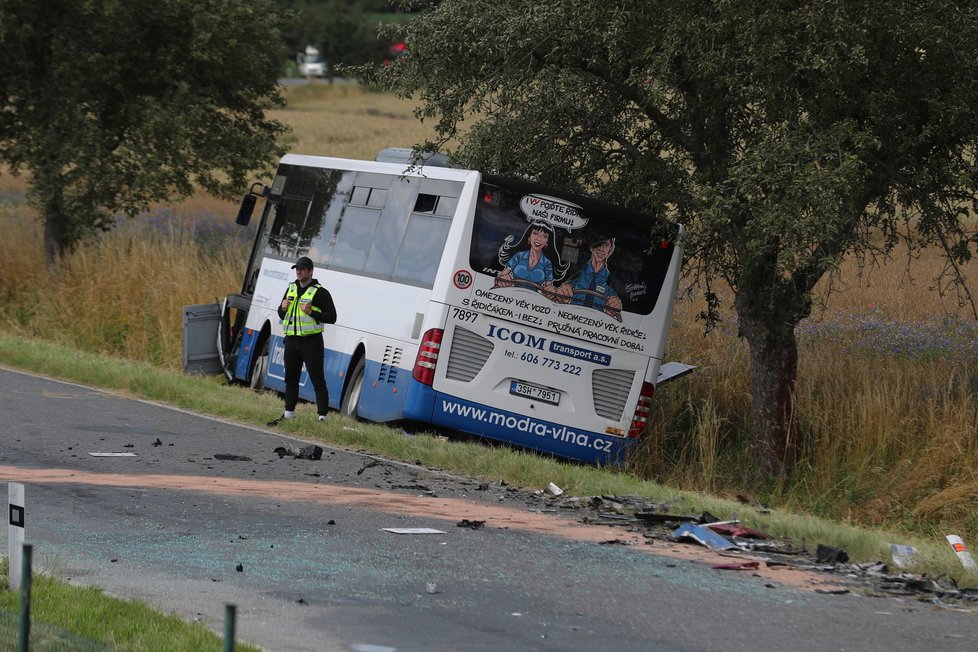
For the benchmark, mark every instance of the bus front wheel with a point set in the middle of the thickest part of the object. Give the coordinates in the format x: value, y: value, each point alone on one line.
x: 354, y: 388
x: 258, y: 372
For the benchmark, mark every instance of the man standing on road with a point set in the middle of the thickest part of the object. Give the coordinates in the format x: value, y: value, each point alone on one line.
x: 304, y: 309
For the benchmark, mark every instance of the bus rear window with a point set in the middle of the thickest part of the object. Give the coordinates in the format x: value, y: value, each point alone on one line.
x: 571, y: 249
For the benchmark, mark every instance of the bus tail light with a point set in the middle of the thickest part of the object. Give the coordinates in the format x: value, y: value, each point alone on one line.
x: 642, y: 410
x: 427, y: 360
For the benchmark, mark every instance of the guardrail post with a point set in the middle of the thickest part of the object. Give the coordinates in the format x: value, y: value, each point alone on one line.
x: 25, y: 599
x: 229, y: 618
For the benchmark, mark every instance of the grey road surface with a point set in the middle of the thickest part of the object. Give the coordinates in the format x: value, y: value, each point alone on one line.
x: 206, y: 514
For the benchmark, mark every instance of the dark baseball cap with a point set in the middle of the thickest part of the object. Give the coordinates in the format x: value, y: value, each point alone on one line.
x: 303, y: 262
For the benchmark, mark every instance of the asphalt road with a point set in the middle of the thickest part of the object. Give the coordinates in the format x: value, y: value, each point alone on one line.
x: 206, y: 513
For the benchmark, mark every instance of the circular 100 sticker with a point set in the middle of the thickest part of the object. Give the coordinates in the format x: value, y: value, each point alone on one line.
x: 462, y: 279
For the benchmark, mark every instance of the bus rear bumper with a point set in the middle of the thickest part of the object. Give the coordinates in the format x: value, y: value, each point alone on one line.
x: 428, y: 405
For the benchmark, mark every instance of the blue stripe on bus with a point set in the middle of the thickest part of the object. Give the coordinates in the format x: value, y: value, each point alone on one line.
x: 480, y: 420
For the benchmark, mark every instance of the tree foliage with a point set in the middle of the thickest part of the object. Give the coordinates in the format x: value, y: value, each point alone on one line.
x: 784, y: 134
x: 114, y: 104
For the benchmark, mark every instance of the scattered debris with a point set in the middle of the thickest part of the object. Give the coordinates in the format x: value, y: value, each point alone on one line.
x: 157, y: 442
x: 902, y: 555
x: 239, y: 568
x: 473, y: 525
x: 703, y: 535
x: 368, y: 465
x: 742, y: 565
x: 432, y: 588
x: 417, y: 487
x: 732, y: 529
x: 228, y: 457
x: 653, y: 517
x: 829, y: 555
x: 112, y: 454
x: 554, y: 490
x: 961, y: 550
x: 304, y: 453
x: 412, y: 530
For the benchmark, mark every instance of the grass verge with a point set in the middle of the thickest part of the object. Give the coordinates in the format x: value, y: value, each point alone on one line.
x: 65, y: 617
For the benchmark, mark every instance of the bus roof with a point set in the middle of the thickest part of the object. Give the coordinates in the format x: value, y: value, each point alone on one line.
x: 431, y: 171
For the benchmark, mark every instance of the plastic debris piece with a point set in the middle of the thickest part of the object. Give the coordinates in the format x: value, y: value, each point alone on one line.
x: 228, y: 457
x: 112, y: 454
x: 735, y: 530
x: 473, y: 525
x: 412, y: 530
x: 704, y: 536
x: 743, y: 565
x: 829, y: 555
x: 554, y: 489
x: 304, y: 453
x: 432, y: 588
x: 902, y: 554
x: 961, y: 550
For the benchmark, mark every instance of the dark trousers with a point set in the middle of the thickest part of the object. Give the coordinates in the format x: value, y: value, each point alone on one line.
x: 306, y: 350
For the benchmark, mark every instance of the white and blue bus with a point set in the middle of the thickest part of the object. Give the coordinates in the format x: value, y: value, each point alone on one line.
x: 484, y: 305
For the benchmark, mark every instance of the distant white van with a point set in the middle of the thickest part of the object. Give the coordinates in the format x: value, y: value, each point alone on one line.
x: 311, y: 63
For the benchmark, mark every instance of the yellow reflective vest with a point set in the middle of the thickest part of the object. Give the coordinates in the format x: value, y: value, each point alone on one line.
x: 295, y: 321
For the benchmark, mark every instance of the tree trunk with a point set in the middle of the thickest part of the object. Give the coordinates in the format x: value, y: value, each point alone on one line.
x: 774, y: 369
x: 46, y: 192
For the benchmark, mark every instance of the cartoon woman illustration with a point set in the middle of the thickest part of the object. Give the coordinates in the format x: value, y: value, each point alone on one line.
x: 532, y: 262
x: 591, y: 286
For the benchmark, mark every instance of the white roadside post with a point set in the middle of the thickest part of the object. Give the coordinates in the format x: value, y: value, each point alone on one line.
x: 15, y: 533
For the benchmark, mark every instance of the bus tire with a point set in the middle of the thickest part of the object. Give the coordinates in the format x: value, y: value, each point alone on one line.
x: 259, y: 369
x: 354, y: 388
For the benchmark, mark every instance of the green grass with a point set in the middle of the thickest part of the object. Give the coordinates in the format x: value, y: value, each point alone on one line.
x: 68, y: 618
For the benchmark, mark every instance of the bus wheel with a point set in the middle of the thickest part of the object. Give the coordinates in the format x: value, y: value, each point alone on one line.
x: 351, y: 397
x: 258, y: 372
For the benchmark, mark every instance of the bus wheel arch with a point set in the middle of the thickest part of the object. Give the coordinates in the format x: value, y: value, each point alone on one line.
x: 353, y: 389
x: 259, y: 364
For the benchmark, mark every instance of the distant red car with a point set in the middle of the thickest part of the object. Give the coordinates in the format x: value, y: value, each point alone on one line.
x: 395, y: 51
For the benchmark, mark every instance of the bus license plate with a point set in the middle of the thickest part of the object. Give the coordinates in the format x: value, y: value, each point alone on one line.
x: 532, y: 391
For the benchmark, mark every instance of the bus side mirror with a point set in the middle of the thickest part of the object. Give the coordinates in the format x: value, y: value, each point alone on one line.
x: 247, y: 208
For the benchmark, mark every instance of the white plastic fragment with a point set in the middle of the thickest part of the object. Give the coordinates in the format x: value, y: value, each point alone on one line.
x: 902, y: 554
x: 413, y: 530
x: 961, y: 550
x: 554, y: 489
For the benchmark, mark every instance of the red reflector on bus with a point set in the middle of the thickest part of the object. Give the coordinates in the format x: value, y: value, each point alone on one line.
x: 427, y: 360
x: 642, y: 410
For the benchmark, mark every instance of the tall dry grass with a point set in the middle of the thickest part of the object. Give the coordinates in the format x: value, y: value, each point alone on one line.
x: 887, y: 381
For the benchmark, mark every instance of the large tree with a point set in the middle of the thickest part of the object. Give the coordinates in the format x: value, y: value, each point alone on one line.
x: 785, y: 134
x: 114, y: 104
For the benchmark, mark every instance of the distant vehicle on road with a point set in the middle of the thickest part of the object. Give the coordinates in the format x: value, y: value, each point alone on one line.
x: 311, y: 62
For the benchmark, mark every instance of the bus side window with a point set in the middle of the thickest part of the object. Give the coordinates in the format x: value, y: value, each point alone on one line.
x: 354, y: 238
x: 393, y: 221
x: 420, y: 251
